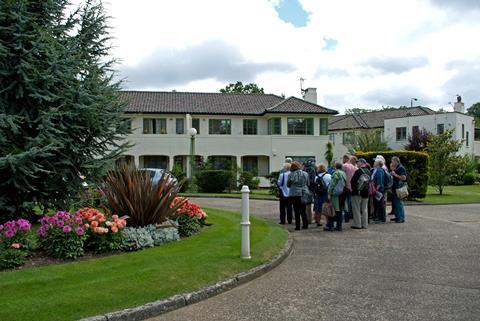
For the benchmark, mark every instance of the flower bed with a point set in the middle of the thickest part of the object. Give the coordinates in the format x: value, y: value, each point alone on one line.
x: 67, y: 235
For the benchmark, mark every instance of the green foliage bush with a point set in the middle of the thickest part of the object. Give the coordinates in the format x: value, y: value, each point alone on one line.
x: 12, y: 258
x: 103, y: 243
x: 469, y: 179
x: 214, y: 180
x: 62, y: 246
x: 415, y: 163
x: 273, y: 178
x: 248, y: 178
x: 188, y: 226
x: 180, y: 175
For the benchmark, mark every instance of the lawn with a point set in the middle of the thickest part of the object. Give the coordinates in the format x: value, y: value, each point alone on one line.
x: 74, y: 290
x: 254, y: 194
x: 453, y: 194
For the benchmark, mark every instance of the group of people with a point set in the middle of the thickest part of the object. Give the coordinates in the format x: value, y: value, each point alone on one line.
x: 350, y: 190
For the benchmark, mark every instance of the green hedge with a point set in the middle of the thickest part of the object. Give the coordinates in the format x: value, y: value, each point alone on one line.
x: 214, y: 180
x: 416, y: 164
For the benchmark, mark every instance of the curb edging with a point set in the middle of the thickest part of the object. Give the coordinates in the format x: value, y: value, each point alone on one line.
x: 156, y: 308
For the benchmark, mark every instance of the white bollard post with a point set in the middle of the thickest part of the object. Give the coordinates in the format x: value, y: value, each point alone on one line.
x: 245, y: 223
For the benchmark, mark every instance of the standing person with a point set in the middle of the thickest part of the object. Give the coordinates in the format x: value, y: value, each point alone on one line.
x: 285, y: 204
x: 297, y: 182
x: 349, y: 167
x: 309, y: 168
x: 360, y: 183
x: 378, y: 179
x: 399, y: 175
x: 336, y: 194
x: 320, y: 192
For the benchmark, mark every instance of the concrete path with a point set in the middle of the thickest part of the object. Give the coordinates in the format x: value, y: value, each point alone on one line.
x: 425, y: 269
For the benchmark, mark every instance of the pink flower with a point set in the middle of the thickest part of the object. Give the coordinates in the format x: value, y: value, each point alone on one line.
x: 79, y: 231
x: 67, y: 229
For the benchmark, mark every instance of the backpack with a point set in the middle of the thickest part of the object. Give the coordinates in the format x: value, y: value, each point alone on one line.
x: 362, y: 182
x: 339, y: 188
x: 388, y: 182
x: 312, y: 174
x: 320, y: 186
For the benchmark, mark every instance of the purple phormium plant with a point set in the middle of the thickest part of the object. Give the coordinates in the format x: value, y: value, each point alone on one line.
x: 419, y: 140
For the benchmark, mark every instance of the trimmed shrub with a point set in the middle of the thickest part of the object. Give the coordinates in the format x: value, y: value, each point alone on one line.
x: 213, y: 180
x: 180, y: 175
x: 248, y: 178
x: 11, y: 258
x: 469, y: 179
x: 415, y: 163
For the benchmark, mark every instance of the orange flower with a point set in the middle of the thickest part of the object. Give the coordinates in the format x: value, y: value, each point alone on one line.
x: 94, y: 224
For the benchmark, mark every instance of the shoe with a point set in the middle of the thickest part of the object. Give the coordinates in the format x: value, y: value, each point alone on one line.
x: 379, y: 222
x: 305, y: 227
x: 393, y: 220
x: 399, y: 221
x: 319, y: 224
x: 338, y: 229
x: 327, y: 229
x: 290, y: 222
x: 297, y: 229
x: 364, y: 228
x: 282, y: 223
x: 356, y: 227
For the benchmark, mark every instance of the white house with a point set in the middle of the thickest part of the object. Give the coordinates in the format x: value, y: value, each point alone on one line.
x: 254, y: 131
x: 396, y: 125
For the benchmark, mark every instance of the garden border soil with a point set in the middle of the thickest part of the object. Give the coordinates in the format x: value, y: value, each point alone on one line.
x: 156, y: 308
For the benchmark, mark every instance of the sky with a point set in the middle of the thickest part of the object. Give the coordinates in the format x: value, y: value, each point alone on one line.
x: 365, y: 54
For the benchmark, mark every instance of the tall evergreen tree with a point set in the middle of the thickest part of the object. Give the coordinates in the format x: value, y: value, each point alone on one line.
x: 60, y: 113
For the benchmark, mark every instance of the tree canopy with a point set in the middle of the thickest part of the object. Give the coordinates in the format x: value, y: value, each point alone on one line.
x: 240, y: 88
x: 60, y: 113
x: 474, y: 110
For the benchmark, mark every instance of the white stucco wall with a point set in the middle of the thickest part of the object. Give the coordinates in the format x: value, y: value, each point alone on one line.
x: 429, y: 122
x: 275, y: 147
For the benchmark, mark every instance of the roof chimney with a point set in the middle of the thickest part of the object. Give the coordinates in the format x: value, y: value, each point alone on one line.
x: 459, y: 106
x: 310, y: 95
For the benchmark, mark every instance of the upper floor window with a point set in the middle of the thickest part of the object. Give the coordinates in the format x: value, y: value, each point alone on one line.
x: 180, y: 126
x: 348, y: 138
x: 154, y: 125
x: 196, y: 124
x: 440, y: 129
x: 250, y: 127
x: 401, y: 133
x: 275, y: 126
x: 219, y: 126
x: 300, y: 126
x: 323, y: 126
x: 463, y: 131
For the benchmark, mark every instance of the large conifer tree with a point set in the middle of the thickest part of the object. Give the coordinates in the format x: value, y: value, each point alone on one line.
x: 60, y: 113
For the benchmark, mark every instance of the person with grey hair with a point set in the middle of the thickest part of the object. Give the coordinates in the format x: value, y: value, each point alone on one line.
x: 399, y: 175
x: 288, y: 160
x: 360, y: 183
x: 285, y: 204
x: 378, y: 179
x: 336, y: 195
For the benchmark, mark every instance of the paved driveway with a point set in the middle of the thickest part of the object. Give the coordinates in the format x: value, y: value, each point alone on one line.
x: 425, y: 269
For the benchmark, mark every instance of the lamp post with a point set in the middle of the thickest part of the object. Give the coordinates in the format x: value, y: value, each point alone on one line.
x: 411, y: 101
x: 192, y: 132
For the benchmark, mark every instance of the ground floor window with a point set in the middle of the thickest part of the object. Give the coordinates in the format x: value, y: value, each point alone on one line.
x: 250, y: 164
x: 160, y: 162
x: 401, y: 133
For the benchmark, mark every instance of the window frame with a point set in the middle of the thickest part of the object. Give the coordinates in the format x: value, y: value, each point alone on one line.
x: 400, y: 134
x: 275, y: 126
x: 227, y: 121
x: 196, y: 126
x: 294, y: 131
x: 442, y: 127
x: 155, y: 126
x: 248, y: 129
x: 325, y: 127
x: 183, y: 126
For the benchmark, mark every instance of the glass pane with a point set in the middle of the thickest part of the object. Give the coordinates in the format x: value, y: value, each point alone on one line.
x: 323, y: 126
x: 250, y: 127
x: 219, y: 126
x: 180, y: 126
x: 300, y: 126
x: 147, y: 128
x: 196, y: 124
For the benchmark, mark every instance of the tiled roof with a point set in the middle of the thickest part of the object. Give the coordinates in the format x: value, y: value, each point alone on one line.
x: 216, y: 103
x: 374, y: 119
x: 293, y: 104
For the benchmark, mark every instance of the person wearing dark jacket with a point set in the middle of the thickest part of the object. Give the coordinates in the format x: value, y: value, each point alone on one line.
x: 360, y: 197
x: 297, y: 184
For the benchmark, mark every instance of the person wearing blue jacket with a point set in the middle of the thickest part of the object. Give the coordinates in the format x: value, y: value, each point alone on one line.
x: 285, y: 203
x: 378, y: 179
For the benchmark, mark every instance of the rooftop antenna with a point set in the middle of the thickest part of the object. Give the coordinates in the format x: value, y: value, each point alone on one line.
x: 302, y: 91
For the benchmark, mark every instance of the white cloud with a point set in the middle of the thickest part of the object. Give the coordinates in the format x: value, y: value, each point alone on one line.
x: 365, y: 30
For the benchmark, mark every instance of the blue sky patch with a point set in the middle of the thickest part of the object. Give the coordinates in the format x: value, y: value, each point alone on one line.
x: 330, y: 43
x: 292, y: 11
